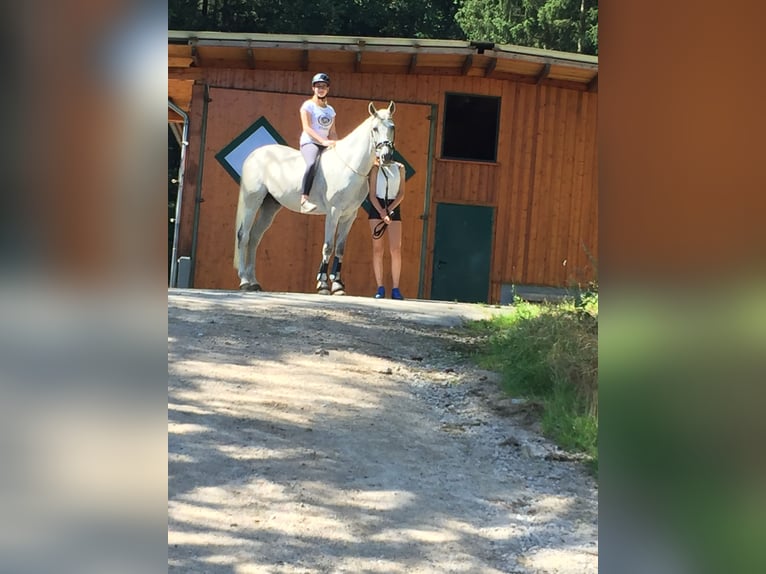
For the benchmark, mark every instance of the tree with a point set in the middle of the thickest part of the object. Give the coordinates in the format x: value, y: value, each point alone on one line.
x: 394, y: 18
x: 566, y: 25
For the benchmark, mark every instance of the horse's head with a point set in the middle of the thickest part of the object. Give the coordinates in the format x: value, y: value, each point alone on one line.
x: 382, y: 132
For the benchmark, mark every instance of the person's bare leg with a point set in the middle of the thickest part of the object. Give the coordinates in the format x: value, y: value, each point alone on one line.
x: 395, y: 248
x: 377, y: 254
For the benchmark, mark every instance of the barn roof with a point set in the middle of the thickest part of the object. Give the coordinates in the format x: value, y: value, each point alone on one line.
x: 189, y: 52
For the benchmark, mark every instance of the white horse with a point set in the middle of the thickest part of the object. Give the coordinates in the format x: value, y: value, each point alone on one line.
x: 272, y: 177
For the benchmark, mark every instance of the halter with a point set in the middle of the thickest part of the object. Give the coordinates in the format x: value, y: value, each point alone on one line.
x: 383, y: 143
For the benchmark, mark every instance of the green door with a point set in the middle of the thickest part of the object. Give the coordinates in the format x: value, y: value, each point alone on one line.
x: 462, y: 253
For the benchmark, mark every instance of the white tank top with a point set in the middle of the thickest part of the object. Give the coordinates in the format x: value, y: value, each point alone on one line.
x: 320, y: 120
x: 394, y: 175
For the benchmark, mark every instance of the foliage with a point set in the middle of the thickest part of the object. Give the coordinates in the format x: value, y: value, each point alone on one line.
x: 549, y: 353
x: 390, y: 18
x: 566, y: 25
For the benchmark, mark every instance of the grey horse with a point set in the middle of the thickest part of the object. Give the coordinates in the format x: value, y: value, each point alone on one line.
x: 271, y: 179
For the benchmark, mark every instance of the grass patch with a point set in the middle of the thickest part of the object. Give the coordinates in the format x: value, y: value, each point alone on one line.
x: 548, y: 353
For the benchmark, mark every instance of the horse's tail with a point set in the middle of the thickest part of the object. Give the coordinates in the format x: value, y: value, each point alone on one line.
x: 238, y: 226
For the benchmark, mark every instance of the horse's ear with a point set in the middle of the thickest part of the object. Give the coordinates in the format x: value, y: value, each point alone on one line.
x: 372, y: 109
x: 392, y: 107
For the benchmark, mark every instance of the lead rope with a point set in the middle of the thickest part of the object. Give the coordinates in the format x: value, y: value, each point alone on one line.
x: 381, y: 227
x: 340, y: 157
x: 346, y: 163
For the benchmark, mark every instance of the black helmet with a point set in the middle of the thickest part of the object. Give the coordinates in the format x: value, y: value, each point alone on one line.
x: 320, y: 77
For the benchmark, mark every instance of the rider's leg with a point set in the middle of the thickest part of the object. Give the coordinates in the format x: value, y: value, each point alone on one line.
x: 310, y: 153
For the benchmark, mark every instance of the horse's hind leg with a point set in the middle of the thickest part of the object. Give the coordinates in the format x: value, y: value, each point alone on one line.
x: 267, y: 212
x: 243, y: 256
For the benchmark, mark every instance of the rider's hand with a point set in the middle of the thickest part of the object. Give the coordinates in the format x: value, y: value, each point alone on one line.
x: 330, y: 143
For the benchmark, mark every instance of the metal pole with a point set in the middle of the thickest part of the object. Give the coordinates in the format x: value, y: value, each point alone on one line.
x: 427, y: 201
x: 179, y: 197
x: 198, y: 199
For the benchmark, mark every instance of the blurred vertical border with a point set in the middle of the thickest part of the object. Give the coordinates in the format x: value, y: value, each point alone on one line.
x: 83, y: 478
x: 682, y: 337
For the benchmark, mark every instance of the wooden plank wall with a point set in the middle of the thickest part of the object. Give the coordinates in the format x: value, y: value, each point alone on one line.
x: 544, y: 185
x: 290, y: 253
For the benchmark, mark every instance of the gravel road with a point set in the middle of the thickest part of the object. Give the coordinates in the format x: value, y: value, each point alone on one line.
x: 320, y: 434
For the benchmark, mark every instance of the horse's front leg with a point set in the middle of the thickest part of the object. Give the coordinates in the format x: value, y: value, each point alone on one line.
x: 323, y: 287
x: 344, y: 227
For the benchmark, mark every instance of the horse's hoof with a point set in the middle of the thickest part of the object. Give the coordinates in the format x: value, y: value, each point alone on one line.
x: 250, y: 287
x: 339, y: 292
x: 323, y: 291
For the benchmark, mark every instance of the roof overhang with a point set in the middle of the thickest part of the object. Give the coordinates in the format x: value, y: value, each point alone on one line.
x: 190, y: 53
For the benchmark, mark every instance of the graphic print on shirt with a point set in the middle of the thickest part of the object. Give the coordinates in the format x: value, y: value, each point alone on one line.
x: 320, y: 120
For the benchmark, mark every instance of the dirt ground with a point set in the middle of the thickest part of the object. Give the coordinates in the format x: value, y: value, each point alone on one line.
x: 321, y: 434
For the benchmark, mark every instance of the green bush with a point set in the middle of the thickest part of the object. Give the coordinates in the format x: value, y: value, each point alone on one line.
x: 549, y: 353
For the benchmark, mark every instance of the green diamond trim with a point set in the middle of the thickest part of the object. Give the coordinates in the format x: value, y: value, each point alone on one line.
x: 261, y: 130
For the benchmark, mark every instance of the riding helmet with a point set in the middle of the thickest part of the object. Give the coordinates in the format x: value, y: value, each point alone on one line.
x: 320, y: 77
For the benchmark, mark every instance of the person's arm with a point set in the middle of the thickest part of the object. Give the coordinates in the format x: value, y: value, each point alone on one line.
x: 333, y: 133
x: 373, y: 196
x: 306, y: 124
x: 400, y: 194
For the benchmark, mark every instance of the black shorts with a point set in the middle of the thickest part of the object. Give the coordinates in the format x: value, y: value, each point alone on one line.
x: 372, y: 213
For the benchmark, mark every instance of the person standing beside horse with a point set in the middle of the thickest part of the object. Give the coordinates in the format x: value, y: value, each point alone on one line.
x: 386, y: 194
x: 318, y: 123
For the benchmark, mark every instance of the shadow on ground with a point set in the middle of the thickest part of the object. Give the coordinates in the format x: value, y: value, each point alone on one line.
x: 296, y: 445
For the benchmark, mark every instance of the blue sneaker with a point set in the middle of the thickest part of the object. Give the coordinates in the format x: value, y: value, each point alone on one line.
x: 381, y: 293
x: 395, y: 294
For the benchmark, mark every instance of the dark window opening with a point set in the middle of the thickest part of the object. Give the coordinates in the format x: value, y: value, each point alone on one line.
x: 470, y: 127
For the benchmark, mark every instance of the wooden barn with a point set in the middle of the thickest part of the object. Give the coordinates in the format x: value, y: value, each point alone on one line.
x: 499, y: 143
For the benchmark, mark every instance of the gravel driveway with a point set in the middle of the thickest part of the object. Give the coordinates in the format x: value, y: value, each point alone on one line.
x: 313, y: 433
